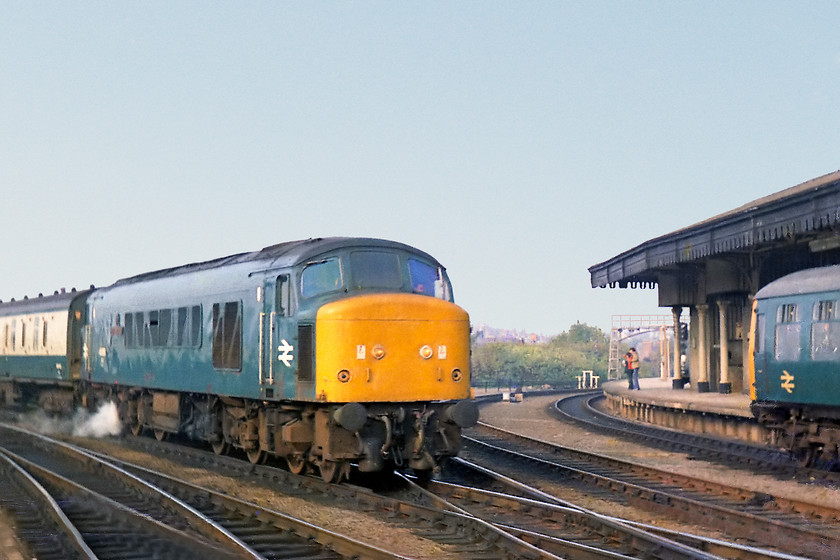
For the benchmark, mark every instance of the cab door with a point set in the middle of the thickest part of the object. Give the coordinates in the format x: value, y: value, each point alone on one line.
x: 278, y: 340
x: 758, y: 358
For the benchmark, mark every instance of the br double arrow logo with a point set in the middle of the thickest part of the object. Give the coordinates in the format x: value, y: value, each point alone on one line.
x: 286, y: 353
x: 787, y: 381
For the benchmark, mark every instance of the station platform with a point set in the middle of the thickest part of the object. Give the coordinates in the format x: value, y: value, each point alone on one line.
x: 659, y: 393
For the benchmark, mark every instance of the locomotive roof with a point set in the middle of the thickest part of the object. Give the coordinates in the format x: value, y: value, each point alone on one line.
x: 284, y: 254
x: 808, y: 281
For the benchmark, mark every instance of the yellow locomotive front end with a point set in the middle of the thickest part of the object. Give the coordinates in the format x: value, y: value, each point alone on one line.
x: 396, y: 367
x: 392, y: 348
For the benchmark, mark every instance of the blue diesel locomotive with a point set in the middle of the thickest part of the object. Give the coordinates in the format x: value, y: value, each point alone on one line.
x: 323, y: 352
x: 795, y: 363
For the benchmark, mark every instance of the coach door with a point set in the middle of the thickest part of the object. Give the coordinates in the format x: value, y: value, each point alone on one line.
x: 279, y: 340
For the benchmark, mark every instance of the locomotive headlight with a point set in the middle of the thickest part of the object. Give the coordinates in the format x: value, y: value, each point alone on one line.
x: 344, y: 376
x: 426, y: 352
x: 378, y: 351
x: 457, y: 375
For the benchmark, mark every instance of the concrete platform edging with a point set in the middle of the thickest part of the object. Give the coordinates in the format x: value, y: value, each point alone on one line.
x: 659, y: 404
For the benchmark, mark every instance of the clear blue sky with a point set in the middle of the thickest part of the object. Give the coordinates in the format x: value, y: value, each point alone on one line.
x: 518, y: 142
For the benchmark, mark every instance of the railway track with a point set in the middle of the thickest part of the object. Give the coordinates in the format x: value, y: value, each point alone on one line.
x: 559, y: 527
x: 455, y: 535
x: 105, y: 511
x: 581, y: 409
x: 761, y: 519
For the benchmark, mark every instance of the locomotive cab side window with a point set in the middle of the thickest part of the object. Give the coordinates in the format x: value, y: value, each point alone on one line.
x: 284, y: 303
x: 788, y: 329
x: 429, y: 280
x: 825, y: 331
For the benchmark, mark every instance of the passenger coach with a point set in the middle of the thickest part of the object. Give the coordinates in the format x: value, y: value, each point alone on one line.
x: 42, y: 349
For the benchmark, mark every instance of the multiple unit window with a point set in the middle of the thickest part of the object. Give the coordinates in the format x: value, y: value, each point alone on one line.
x: 179, y: 327
x: 787, y: 332
x: 824, y: 341
x: 825, y: 332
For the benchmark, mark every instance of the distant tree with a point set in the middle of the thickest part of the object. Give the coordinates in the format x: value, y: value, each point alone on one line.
x: 556, y: 363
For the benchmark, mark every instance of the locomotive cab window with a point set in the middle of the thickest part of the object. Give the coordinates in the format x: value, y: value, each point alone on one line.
x: 788, y: 329
x: 825, y: 331
x: 375, y: 269
x: 321, y: 278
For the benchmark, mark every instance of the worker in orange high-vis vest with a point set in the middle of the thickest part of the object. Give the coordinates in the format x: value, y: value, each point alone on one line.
x: 634, y: 367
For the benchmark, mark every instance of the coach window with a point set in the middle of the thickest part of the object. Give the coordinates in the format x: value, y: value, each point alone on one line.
x: 825, y: 331
x: 788, y: 328
x: 227, y: 335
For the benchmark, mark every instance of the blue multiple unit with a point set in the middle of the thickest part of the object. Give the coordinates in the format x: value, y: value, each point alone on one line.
x: 795, y: 362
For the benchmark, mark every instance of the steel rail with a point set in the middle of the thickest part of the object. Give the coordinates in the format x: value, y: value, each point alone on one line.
x: 18, y: 488
x: 554, y: 522
x: 816, y: 511
x: 108, y: 522
x: 716, y: 547
x: 198, y: 521
x: 729, y: 451
x: 792, y: 538
x: 342, y: 544
x: 468, y: 536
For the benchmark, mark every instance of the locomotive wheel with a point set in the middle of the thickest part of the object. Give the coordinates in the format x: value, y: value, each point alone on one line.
x: 331, y: 471
x: 160, y: 435
x: 806, y: 456
x: 220, y: 447
x: 136, y: 428
x: 424, y: 476
x: 297, y: 464
x: 256, y: 456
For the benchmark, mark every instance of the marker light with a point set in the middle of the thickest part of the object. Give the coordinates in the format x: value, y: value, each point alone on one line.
x: 457, y: 375
x: 344, y: 376
x: 426, y: 352
x: 378, y: 351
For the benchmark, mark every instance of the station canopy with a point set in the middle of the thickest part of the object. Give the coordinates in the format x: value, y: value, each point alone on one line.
x: 795, y: 228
